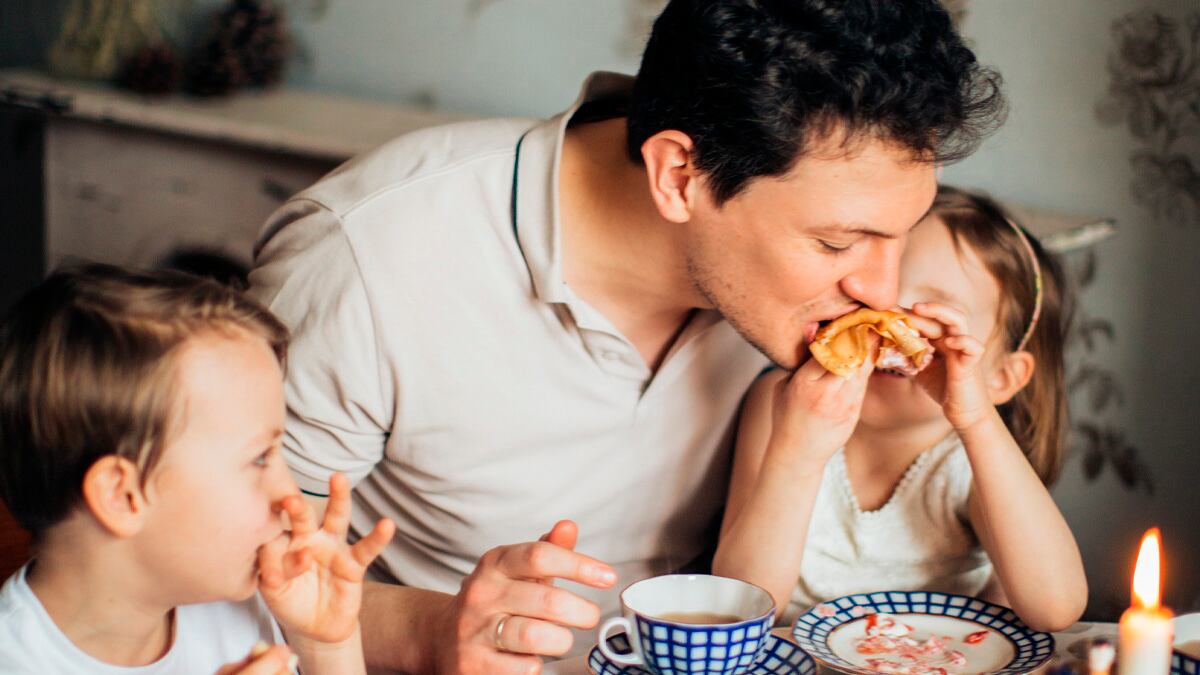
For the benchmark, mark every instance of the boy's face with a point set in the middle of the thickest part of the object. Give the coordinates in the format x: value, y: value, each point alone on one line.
x: 810, y: 245
x: 213, y: 498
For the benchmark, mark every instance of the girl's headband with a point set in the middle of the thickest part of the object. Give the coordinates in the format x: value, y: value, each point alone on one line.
x: 1037, y: 284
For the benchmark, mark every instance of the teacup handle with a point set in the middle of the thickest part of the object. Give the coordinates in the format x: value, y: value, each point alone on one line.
x: 631, y: 659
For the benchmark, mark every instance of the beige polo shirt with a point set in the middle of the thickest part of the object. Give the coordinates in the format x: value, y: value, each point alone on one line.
x: 440, y: 361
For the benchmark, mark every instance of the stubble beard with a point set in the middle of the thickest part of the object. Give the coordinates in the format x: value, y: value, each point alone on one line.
x: 706, y: 284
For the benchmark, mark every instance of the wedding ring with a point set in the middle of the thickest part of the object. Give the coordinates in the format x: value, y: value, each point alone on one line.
x: 500, y: 632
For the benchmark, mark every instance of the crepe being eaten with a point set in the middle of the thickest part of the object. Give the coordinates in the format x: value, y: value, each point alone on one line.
x: 842, y: 345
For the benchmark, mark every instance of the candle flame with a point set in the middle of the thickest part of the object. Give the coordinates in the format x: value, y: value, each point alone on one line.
x: 1146, y: 587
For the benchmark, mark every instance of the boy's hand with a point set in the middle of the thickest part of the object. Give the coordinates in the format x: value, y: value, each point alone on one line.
x: 815, y: 412
x: 263, y: 660
x: 310, y: 578
x: 955, y: 379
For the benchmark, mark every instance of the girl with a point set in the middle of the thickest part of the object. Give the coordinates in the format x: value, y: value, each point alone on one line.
x: 935, y: 482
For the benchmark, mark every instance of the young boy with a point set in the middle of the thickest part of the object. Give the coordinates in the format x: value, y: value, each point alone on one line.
x: 140, y: 423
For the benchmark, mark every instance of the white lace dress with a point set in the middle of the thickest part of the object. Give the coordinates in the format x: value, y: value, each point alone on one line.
x: 921, y: 539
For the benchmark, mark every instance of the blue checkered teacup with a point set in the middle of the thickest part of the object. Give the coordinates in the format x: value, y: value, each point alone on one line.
x: 682, y: 624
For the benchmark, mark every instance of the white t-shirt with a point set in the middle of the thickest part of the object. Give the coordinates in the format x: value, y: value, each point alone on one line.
x: 207, y: 636
x: 441, y: 361
x: 919, y: 540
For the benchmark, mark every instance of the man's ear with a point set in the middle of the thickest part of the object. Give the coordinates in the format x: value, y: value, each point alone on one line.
x: 674, y: 181
x: 1013, y: 373
x: 112, y: 491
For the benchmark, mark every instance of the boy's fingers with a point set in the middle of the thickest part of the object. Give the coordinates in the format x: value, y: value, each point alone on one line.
x: 367, y: 549
x: 337, y: 511
x: 270, y: 561
x: 304, y: 521
x: 296, y: 563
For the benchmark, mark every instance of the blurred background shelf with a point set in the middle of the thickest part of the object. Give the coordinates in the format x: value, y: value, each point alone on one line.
x: 93, y: 172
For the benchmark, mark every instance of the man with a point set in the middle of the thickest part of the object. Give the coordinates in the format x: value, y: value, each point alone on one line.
x: 501, y: 323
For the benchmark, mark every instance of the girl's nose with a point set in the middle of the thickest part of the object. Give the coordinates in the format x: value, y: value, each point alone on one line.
x: 876, y: 282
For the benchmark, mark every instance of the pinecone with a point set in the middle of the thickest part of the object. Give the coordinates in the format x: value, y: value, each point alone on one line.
x: 214, y: 70
x: 153, y: 70
x: 249, y: 44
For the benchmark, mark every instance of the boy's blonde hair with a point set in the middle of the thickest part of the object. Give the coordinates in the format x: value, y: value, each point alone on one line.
x: 88, y: 365
x: 1036, y: 415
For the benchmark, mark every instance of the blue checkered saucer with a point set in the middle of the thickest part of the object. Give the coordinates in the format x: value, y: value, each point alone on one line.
x: 1187, y: 629
x: 779, y: 657
x: 814, y: 628
x: 1182, y: 664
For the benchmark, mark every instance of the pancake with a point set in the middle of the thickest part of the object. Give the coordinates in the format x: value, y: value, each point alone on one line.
x: 845, y: 343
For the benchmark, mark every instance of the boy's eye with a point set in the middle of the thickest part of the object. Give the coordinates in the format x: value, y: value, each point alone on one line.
x: 263, y: 459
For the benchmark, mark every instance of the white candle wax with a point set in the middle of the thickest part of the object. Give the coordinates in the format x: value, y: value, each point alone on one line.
x: 1145, y: 642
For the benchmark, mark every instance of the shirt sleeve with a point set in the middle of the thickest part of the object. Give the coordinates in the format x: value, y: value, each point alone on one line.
x: 337, y: 415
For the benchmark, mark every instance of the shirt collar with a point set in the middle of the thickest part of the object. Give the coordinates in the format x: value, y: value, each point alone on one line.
x: 535, y: 187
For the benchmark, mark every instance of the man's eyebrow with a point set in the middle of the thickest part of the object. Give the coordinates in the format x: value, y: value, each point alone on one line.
x: 852, y: 228
x: 857, y: 229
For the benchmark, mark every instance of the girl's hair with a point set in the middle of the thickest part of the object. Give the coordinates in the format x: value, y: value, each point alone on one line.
x: 88, y: 364
x: 1037, y: 414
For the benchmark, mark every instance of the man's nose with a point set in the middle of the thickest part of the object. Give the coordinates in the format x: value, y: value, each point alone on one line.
x: 876, y: 282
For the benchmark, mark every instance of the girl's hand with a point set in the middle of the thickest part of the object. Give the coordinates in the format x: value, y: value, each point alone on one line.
x: 815, y: 412
x: 310, y: 578
x: 955, y: 379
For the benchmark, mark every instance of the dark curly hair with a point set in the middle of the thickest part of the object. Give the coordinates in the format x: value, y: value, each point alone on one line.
x: 753, y: 81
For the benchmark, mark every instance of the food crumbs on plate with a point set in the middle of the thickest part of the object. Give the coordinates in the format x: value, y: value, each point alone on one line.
x: 976, y: 638
x: 887, y: 637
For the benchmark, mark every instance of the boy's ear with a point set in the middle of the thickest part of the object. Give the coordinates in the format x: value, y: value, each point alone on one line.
x: 1013, y: 373
x: 672, y: 177
x: 112, y: 492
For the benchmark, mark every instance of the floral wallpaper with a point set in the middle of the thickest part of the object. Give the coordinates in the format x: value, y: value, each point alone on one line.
x: 1155, y: 92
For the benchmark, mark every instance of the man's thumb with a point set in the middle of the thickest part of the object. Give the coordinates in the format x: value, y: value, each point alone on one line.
x: 564, y: 533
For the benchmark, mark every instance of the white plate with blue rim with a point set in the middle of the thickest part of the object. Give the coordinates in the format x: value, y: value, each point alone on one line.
x: 779, y: 657
x: 1185, y: 659
x: 890, y: 631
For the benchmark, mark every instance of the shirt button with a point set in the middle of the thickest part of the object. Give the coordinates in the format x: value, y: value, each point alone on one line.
x: 612, y: 356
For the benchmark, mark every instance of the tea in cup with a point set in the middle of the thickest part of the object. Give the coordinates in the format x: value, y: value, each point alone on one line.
x: 692, y: 623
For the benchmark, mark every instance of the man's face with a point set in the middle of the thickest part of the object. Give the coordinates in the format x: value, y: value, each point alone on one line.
x: 214, y: 497
x: 809, y: 246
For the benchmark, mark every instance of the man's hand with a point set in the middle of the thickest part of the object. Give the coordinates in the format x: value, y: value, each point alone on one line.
x: 508, y: 612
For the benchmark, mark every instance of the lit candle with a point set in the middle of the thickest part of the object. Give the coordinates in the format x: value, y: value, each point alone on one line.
x: 1146, y: 630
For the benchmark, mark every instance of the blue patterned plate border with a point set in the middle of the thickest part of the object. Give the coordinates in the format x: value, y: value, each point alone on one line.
x: 779, y: 657
x: 812, y: 630
x: 1182, y: 664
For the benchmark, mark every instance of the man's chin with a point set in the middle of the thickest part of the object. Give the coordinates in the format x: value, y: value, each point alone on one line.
x: 781, y: 357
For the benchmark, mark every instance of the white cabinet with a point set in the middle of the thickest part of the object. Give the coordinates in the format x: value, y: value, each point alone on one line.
x: 128, y: 180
